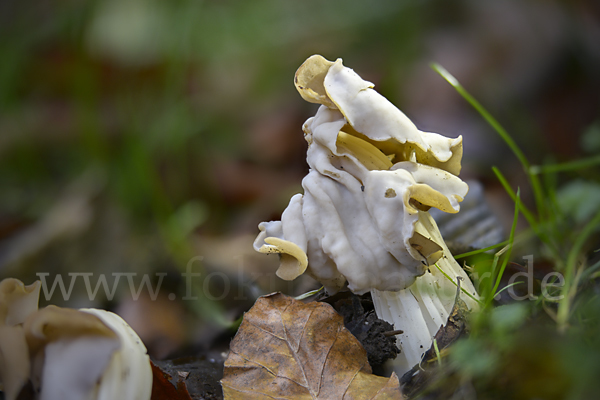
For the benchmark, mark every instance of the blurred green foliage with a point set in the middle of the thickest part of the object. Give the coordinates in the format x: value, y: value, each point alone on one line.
x: 138, y: 110
x: 146, y: 90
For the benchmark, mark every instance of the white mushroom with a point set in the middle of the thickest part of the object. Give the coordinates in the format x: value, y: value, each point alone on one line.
x: 68, y: 354
x: 363, y: 217
x: 17, y: 301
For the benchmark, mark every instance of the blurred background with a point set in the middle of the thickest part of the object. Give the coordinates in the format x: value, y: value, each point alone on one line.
x: 151, y: 137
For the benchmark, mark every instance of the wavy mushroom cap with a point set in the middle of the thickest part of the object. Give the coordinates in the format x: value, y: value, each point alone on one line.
x: 371, y: 173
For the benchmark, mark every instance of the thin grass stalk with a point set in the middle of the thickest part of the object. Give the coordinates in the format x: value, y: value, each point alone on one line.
x: 533, y: 178
x: 569, y: 288
x: 511, y: 239
x: 563, y: 167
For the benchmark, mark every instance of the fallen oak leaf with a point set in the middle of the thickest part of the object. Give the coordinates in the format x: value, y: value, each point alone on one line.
x: 287, y: 349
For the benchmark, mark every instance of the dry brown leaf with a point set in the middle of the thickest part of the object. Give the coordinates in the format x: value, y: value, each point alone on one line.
x: 166, y: 387
x: 286, y: 349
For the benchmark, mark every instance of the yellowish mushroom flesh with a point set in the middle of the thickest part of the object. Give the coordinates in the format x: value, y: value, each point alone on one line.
x: 368, y: 155
x: 426, y: 196
x: 309, y: 80
x: 17, y: 301
x: 293, y: 259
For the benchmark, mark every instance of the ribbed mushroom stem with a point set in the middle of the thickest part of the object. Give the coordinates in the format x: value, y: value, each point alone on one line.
x: 422, y: 308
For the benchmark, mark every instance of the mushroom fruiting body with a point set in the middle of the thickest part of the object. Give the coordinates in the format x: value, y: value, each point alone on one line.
x: 363, y: 219
x: 68, y: 354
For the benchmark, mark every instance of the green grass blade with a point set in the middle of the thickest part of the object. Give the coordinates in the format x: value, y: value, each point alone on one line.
x: 511, y: 239
x: 508, y: 287
x: 590, y: 271
x: 437, y: 352
x: 479, y: 251
x: 308, y: 294
x: 531, y: 219
x: 484, y: 113
x: 568, y: 290
x: 562, y: 167
x: 461, y: 289
x: 588, y: 229
x: 524, y: 210
x: 535, y: 183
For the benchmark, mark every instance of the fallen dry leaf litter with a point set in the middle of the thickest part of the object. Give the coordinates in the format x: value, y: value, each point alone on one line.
x: 287, y: 349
